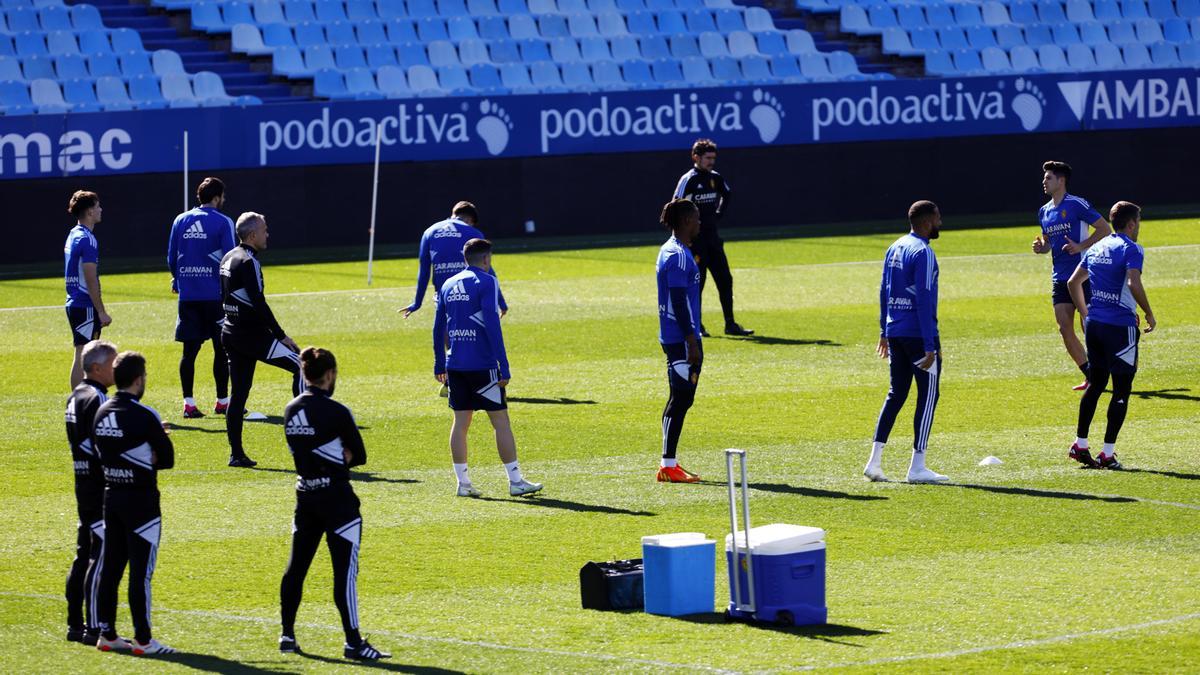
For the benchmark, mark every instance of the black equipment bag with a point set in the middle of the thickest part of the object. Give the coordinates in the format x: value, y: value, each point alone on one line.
x: 612, y: 585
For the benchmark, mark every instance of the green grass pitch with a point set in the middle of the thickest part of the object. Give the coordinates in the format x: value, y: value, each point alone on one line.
x: 1033, y: 565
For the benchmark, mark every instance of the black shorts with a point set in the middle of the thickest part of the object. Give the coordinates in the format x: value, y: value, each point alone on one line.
x: 476, y: 390
x: 199, y: 320
x: 85, y: 327
x: 260, y: 346
x: 1061, y: 295
x: 679, y: 372
x: 1112, y: 348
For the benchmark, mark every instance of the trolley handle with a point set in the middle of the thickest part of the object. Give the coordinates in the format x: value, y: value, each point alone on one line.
x: 733, y: 525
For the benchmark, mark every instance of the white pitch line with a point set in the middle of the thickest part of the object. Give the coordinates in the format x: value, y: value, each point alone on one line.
x: 415, y: 638
x: 1019, y: 644
x: 364, y: 291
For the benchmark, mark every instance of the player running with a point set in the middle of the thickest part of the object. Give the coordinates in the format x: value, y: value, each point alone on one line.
x: 250, y: 333
x: 324, y: 441
x: 200, y: 238
x: 1114, y: 266
x: 133, y: 448
x: 908, y: 338
x: 83, y: 580
x: 709, y: 191
x: 1065, y: 220
x: 678, y: 279
x: 85, y: 308
x: 475, y: 366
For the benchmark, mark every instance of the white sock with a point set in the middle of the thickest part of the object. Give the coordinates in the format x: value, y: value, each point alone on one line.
x: 223, y: 401
x: 1108, y: 450
x: 514, y: 472
x: 460, y: 471
x: 876, y: 454
x: 918, y: 461
x: 188, y: 400
x: 668, y: 462
x: 1082, y: 443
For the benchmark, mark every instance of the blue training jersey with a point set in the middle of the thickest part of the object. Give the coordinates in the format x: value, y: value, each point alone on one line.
x: 81, y: 247
x: 676, y: 268
x: 1070, y: 219
x: 1108, y: 264
x: 468, y: 315
x: 200, y: 238
x: 442, y: 254
x: 908, y: 293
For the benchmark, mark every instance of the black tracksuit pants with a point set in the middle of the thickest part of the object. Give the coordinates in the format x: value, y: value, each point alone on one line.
x: 336, y: 517
x: 132, y: 522
x: 710, y: 258
x: 244, y: 354
x: 82, y: 579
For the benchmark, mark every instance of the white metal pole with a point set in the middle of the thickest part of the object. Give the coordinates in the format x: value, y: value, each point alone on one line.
x: 374, y: 201
x: 185, y: 170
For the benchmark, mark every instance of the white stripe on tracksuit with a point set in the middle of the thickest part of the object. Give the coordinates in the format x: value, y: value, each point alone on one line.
x: 922, y: 441
x: 94, y: 592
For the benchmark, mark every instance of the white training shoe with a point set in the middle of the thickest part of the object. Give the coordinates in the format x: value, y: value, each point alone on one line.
x: 926, y: 476
x: 120, y: 644
x: 468, y: 490
x: 523, y: 488
x: 151, y: 648
x: 874, y: 474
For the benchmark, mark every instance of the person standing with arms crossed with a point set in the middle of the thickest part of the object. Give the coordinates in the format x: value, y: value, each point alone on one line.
x: 200, y: 238
x: 81, y: 253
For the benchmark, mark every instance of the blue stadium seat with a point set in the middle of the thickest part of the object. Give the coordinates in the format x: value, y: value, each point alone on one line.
x: 534, y: 51
x: 289, y: 62
x: 486, y: 78
x: 69, y: 67
x: 925, y: 39
x: 712, y: 45
x: 10, y: 69
x: 1189, y: 54
x: 785, y: 67
x: 298, y: 11
x: 966, y: 62
x: 360, y: 84
x: 547, y: 78
x: 881, y: 16
x: 268, y: 11
x: 1187, y: 9
x: 523, y: 27
x: 1024, y: 12
x: 641, y: 23
x: 329, y: 10
x: 515, y: 77
x: 1052, y: 58
x: 309, y: 34
x: 61, y: 42
x: 966, y: 15
x: 166, y: 62
x: 597, y: 6
x: 432, y: 28
x: 729, y: 20
x: 452, y: 8
x: 1134, y: 9
x: 493, y: 28
x: 542, y: 6
x: 671, y: 22
x: 104, y: 65
x: 512, y: 7
x: 581, y: 25
x: 454, y: 80
x: 1107, y: 10
x: 482, y: 8
x: 684, y: 46
x: 39, y: 67
x: 370, y: 32
x: 391, y: 9
x: 842, y: 65
x: 756, y: 69
x: 800, y: 41
x: 316, y: 57
x: 565, y: 50
x: 631, y: 5
x: 995, y: 14
x: 689, y: 4
x: 461, y: 28
x: 412, y: 54
x: 1136, y: 56
x: 328, y: 83
x: 742, y: 44
x: 895, y: 41
x: 758, y: 19
x: 1038, y: 36
x: 471, y: 52
x: 995, y: 60
x: 595, y: 49
x: 771, y: 43
x: 111, y: 94
x: 236, y: 12
x: 135, y: 63
x: 350, y: 56
x: 31, y: 44
x: 247, y: 40
x: 1050, y: 11
x: 1108, y: 56
x: 14, y: 98
x: 938, y: 63
x: 210, y: 90
x: 340, y: 34
x: 1065, y: 34
x: 94, y: 42
x: 423, y: 81
x: 982, y: 37
x: 726, y: 70
x: 911, y: 16
x: 360, y: 10
x: 1079, y: 11
x: 379, y: 56
x: 1092, y: 33
x: 145, y: 92
x: 654, y: 47
x: 952, y: 38
x: 1149, y: 31
x: 699, y: 21
x: 552, y: 26
x: 126, y: 40
x: 625, y: 48
x: 1176, y: 30
x: 206, y: 16
x: 420, y: 9
x: 22, y: 19
x: 660, y: 5
x: 392, y: 83
x: 637, y: 75
x: 815, y: 67
x: 1122, y: 33
x: 441, y: 53
x: 577, y: 77
x: 607, y: 76
x: 48, y: 97
x: 505, y: 51
x: 54, y: 18
x: 1162, y: 10
x: 1080, y: 57
x: 400, y: 31
x: 1009, y: 36
x: 697, y: 72
x: 1024, y: 59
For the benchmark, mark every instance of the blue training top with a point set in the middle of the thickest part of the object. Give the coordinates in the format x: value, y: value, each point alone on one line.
x: 81, y: 247
x: 200, y: 238
x: 908, y: 293
x: 442, y: 253
x: 676, y: 268
x: 1070, y: 219
x: 468, y: 314
x: 1108, y: 264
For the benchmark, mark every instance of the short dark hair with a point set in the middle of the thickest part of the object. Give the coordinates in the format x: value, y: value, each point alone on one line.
x: 464, y: 210
x: 210, y: 188
x: 127, y: 368
x: 1122, y: 214
x: 475, y: 249
x: 81, y: 201
x: 674, y: 212
x: 920, y: 211
x: 315, y: 362
x: 1060, y: 169
x: 703, y: 146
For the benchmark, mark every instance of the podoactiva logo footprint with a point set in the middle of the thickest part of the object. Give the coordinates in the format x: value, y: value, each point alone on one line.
x: 1029, y: 104
x: 494, y: 127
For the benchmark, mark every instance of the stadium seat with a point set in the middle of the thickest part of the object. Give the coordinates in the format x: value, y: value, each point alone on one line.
x: 1164, y: 55
x: 379, y: 56
x: 1136, y: 56
x: 981, y: 37
x: 31, y: 44
x: 654, y: 47
x: 10, y: 69
x: 1188, y: 9
x: 391, y: 83
x: 412, y: 54
x: 275, y: 35
x: 504, y: 51
x: 61, y: 43
x: 742, y: 44
x: 177, y: 90
x: 452, y: 8
x: 349, y: 56
x: 712, y: 45
x: 1038, y: 36
x: 360, y: 10
x: 340, y: 34
x: 39, y: 67
x: 370, y: 32
x: 126, y: 40
x: 145, y: 92
x: 1107, y: 10
x: 461, y: 28
x: 631, y: 5
x: 895, y: 41
x: 578, y: 77
x: 911, y: 16
x: 534, y: 51
x: 420, y: 9
x: 995, y: 60
x: 547, y: 78
x: 1052, y: 58
x: 800, y: 42
x: 699, y: 21
x: 330, y: 84
x: 210, y: 90
x: 595, y: 49
x: 1024, y: 12
x: 441, y: 53
x: 1080, y: 57
x: 289, y: 62
x: 1122, y: 33
x: 696, y: 71
x: 136, y: 63
x: 423, y: 81
x: 473, y: 51
x: 842, y: 65
x: 785, y: 67
x: 1051, y: 12
x: 298, y: 11
x: 729, y: 20
x: 726, y: 70
x: 493, y: 28
x: 55, y: 17
x: 268, y: 11
x: 1134, y: 9
x: 641, y: 23
x: 1189, y: 54
x: 758, y: 20
x: 880, y: 17
x: 1024, y: 60
x: 522, y: 27
x: 316, y: 57
x: 80, y: 96
x: 515, y: 78
x: 1149, y: 31
x: 94, y: 42
x: 1176, y: 30
x: 607, y: 76
x: 309, y: 34
x: 482, y: 8
x: 611, y: 24
x: 512, y: 7
x: 22, y: 19
x: 432, y: 28
x: 401, y: 31
x: 771, y: 43
x: 542, y: 6
x: 14, y: 98
x: 637, y: 75
x: 1092, y: 33
x: 48, y: 97
x: 925, y: 39
x: 952, y: 38
x: 671, y: 22
x: 565, y: 50
x: 391, y: 9
x: 247, y: 40
x: 454, y: 80
x: 995, y: 14
x: 937, y: 63
x: 597, y: 6
x: 1108, y: 56
x: 1010, y: 36
x: 70, y: 67
x: 111, y: 94
x: 1065, y: 34
x: 815, y: 67
x: 235, y: 12
x: 166, y: 62
x: 684, y: 46
x: 486, y: 78
x: 967, y: 62
x: 964, y: 15
x: 756, y: 69
x: 581, y: 25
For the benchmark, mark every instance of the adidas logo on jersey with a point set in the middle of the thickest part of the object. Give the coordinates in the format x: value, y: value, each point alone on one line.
x: 194, y: 231
x: 298, y: 426
x: 457, y: 292
x: 108, y: 427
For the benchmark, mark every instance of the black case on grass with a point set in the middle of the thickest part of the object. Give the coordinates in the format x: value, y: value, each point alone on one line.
x: 612, y: 585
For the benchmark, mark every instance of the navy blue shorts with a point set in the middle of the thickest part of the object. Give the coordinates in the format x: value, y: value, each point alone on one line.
x: 85, y: 327
x: 199, y: 320
x: 1112, y: 348
x: 1061, y: 295
x: 476, y: 390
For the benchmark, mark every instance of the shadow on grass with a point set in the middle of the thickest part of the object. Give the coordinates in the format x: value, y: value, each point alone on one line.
x: 1033, y: 492
x: 827, y: 632
x: 270, y: 419
x: 580, y: 507
x: 269, y: 469
x: 208, y: 663
x: 1168, y: 474
x: 784, y: 488
x: 385, y: 664
x: 771, y: 340
x: 1168, y: 394
x: 175, y: 426
x: 562, y: 400
x: 368, y: 477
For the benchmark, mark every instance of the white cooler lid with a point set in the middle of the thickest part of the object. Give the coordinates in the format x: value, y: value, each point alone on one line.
x: 677, y: 539
x: 778, y: 538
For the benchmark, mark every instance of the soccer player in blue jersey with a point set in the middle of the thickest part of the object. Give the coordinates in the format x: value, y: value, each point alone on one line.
x: 678, y: 278
x: 81, y: 253
x: 469, y: 357
x: 908, y: 338
x: 1114, y: 267
x: 200, y: 238
x: 1065, y: 220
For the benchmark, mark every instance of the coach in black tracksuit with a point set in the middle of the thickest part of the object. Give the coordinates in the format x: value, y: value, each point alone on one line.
x: 82, y: 581
x: 250, y: 333
x: 133, y: 448
x: 708, y: 190
x: 325, y: 444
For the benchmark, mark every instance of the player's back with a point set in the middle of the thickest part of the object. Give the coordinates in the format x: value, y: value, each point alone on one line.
x: 909, y: 275
x: 313, y: 425
x: 127, y: 434
x: 444, y: 241
x: 470, y: 301
x: 1108, y: 263
x: 81, y: 247
x: 200, y: 238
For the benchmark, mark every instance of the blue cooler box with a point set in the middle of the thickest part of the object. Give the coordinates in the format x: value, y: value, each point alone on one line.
x: 679, y: 571
x: 789, y: 574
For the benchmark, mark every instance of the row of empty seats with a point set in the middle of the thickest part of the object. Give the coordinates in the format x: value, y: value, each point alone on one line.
x: 15, y: 4
x: 109, y: 93
x: 55, y: 17
x: 1146, y: 32
x: 873, y: 19
x: 75, y: 67
x: 1052, y: 58
x: 62, y: 43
